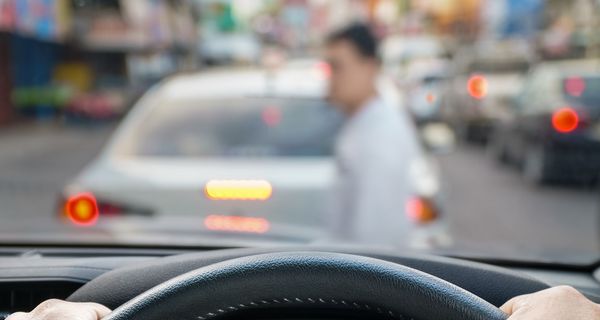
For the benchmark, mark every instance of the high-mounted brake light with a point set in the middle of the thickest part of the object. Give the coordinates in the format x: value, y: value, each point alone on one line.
x: 575, y: 86
x: 271, y: 116
x: 238, y: 190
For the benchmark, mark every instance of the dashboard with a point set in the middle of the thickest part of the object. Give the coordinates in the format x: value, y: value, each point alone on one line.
x: 113, y: 276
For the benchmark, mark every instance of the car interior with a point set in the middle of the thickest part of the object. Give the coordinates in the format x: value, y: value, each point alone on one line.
x: 304, y: 282
x: 299, y: 159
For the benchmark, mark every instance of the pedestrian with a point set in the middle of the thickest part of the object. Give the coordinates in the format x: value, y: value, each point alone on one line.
x: 374, y: 148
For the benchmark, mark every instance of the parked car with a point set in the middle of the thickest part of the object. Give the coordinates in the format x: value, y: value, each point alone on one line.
x: 232, y: 152
x: 554, y: 130
x: 423, y: 86
x: 480, y: 101
x: 481, y: 80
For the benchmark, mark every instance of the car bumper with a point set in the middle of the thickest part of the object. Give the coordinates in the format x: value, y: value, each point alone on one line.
x: 479, y: 130
x: 575, y: 158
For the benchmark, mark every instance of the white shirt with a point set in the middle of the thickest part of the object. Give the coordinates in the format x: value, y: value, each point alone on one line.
x: 373, y: 154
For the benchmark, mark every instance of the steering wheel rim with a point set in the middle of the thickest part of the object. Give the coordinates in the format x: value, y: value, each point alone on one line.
x: 306, y: 280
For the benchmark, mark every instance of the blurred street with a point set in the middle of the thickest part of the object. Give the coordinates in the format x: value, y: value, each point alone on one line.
x: 37, y: 160
x: 509, y: 214
x: 505, y: 215
x: 238, y: 98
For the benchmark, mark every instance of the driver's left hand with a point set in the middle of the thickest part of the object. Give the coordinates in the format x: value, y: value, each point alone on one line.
x: 62, y: 310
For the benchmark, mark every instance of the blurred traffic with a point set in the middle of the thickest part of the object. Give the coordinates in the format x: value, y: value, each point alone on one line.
x: 260, y: 142
x: 187, y: 121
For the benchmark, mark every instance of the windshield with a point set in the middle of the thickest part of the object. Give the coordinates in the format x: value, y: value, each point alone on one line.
x: 467, y: 128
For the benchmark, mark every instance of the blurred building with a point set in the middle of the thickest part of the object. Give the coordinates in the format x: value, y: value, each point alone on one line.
x: 238, y: 30
x: 128, y: 45
x: 88, y: 57
x: 570, y: 29
x: 32, y: 35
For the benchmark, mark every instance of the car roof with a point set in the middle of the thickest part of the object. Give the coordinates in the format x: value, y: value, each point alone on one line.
x: 285, y: 82
x: 589, y: 67
x: 504, y: 84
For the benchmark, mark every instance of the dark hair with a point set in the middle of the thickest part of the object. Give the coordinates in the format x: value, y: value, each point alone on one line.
x: 360, y: 36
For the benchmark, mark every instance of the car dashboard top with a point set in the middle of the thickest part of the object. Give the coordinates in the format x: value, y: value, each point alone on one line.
x: 28, y: 277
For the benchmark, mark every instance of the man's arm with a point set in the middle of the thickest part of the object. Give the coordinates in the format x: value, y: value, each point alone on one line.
x: 62, y: 310
x: 559, y: 303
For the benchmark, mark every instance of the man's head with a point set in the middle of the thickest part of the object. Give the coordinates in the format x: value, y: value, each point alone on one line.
x: 353, y: 57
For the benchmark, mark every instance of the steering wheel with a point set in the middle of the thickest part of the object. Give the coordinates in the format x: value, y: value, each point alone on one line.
x: 304, y: 283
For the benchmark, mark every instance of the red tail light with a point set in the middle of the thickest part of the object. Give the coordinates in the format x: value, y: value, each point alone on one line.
x: 477, y: 86
x: 421, y: 210
x: 565, y: 120
x: 82, y: 209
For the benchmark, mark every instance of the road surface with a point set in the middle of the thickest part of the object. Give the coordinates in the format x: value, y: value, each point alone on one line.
x: 489, y: 208
x: 36, y: 160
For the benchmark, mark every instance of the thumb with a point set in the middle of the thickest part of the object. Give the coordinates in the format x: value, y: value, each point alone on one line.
x: 510, y: 306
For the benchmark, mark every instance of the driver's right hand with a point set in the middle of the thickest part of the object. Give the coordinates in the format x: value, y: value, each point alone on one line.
x: 559, y: 303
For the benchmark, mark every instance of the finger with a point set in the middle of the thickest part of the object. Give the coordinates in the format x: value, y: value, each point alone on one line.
x: 101, y: 311
x: 510, y: 306
x: 44, y: 307
x: 17, y: 316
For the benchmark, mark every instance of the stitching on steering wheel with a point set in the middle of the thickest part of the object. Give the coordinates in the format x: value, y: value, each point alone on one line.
x: 355, y: 305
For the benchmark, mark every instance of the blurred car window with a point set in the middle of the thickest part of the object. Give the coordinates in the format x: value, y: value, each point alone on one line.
x: 245, y: 127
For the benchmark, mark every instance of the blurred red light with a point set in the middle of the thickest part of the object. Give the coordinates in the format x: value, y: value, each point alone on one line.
x: 271, y: 116
x: 565, y: 120
x: 575, y: 86
x: 324, y: 69
x: 82, y: 209
x: 420, y: 210
x: 430, y: 98
x: 477, y: 87
x: 236, y: 224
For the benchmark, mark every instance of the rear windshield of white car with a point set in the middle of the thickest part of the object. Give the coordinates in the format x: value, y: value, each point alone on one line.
x: 245, y: 127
